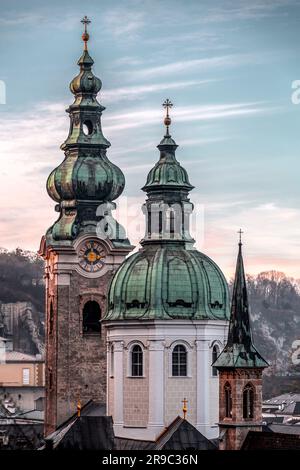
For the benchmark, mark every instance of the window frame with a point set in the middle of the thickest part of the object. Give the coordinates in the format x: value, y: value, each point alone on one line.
x: 228, y: 400
x: 214, y: 370
x: 130, y: 363
x: 248, y: 401
x: 91, y: 333
x: 183, y: 345
x: 26, y: 372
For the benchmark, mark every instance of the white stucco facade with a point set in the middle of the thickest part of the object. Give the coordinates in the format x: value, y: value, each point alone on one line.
x: 143, y: 406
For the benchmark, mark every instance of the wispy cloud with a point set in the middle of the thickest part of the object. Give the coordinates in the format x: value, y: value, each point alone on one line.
x: 138, y: 91
x: 137, y: 118
x: 204, y: 64
x: 124, y: 21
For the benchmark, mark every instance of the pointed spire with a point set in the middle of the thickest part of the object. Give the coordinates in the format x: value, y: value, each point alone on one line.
x: 240, y: 350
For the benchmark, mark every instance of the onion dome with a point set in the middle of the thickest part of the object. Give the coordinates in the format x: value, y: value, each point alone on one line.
x: 86, y: 178
x: 168, y: 278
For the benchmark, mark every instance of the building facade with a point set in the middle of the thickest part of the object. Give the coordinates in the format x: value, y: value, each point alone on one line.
x: 167, y: 315
x: 80, y: 257
x: 22, y: 382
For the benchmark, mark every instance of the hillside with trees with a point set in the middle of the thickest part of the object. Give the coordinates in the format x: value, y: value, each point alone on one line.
x: 21, y: 278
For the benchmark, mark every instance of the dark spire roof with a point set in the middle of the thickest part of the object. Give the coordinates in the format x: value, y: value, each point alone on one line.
x: 240, y: 350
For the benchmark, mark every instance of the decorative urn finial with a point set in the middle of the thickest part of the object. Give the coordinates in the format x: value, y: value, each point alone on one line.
x: 167, y: 104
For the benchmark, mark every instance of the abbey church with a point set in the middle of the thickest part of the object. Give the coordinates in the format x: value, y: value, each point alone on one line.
x: 147, y: 334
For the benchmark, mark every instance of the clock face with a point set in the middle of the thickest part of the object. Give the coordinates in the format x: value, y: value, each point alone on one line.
x: 91, y: 256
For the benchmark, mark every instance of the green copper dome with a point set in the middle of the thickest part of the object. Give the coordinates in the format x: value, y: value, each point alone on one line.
x: 167, y: 172
x: 167, y: 282
x: 168, y: 278
x: 86, y: 177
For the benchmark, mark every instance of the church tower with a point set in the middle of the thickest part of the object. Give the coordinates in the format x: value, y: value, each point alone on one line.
x: 167, y: 315
x: 82, y: 251
x: 240, y: 369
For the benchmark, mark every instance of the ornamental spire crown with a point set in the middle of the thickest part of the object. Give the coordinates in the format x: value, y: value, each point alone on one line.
x: 86, y: 178
x: 167, y: 173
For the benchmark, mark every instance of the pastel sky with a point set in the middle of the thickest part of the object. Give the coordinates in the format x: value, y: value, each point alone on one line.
x: 228, y: 66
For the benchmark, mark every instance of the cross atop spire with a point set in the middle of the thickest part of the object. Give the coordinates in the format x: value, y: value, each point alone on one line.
x: 167, y: 104
x: 240, y: 232
x: 85, y: 36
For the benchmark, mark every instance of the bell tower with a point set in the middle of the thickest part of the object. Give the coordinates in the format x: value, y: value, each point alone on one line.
x: 82, y: 250
x: 240, y: 369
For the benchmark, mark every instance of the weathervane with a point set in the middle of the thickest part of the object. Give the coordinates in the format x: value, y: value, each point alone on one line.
x: 167, y: 104
x: 240, y: 234
x: 85, y: 36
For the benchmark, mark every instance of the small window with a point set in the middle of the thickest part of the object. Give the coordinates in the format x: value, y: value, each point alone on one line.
x: 228, y: 400
x: 179, y: 361
x: 26, y: 376
x: 112, y: 360
x: 248, y: 402
x: 215, y: 353
x: 87, y: 127
x: 160, y: 222
x: 51, y: 318
x: 136, y: 361
x: 50, y: 378
x: 91, y: 318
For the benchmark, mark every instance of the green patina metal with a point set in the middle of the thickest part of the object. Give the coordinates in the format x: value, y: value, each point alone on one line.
x: 86, y: 178
x: 168, y: 278
x: 167, y: 173
x: 240, y: 351
x: 167, y: 281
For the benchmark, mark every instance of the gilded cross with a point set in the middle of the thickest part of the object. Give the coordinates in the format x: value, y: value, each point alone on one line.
x: 184, y: 408
x: 167, y: 104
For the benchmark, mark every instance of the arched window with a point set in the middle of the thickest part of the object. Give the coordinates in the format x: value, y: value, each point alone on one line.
x: 136, y: 361
x: 112, y: 360
x: 248, y: 401
x: 51, y: 318
x: 228, y: 400
x: 215, y: 353
x: 160, y: 222
x: 179, y: 361
x: 91, y: 316
x: 50, y: 378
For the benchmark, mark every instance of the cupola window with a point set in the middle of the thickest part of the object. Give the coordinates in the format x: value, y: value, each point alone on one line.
x: 87, y: 127
x: 136, y: 361
x: 248, y: 402
x: 179, y: 361
x: 91, y: 317
x: 215, y: 353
